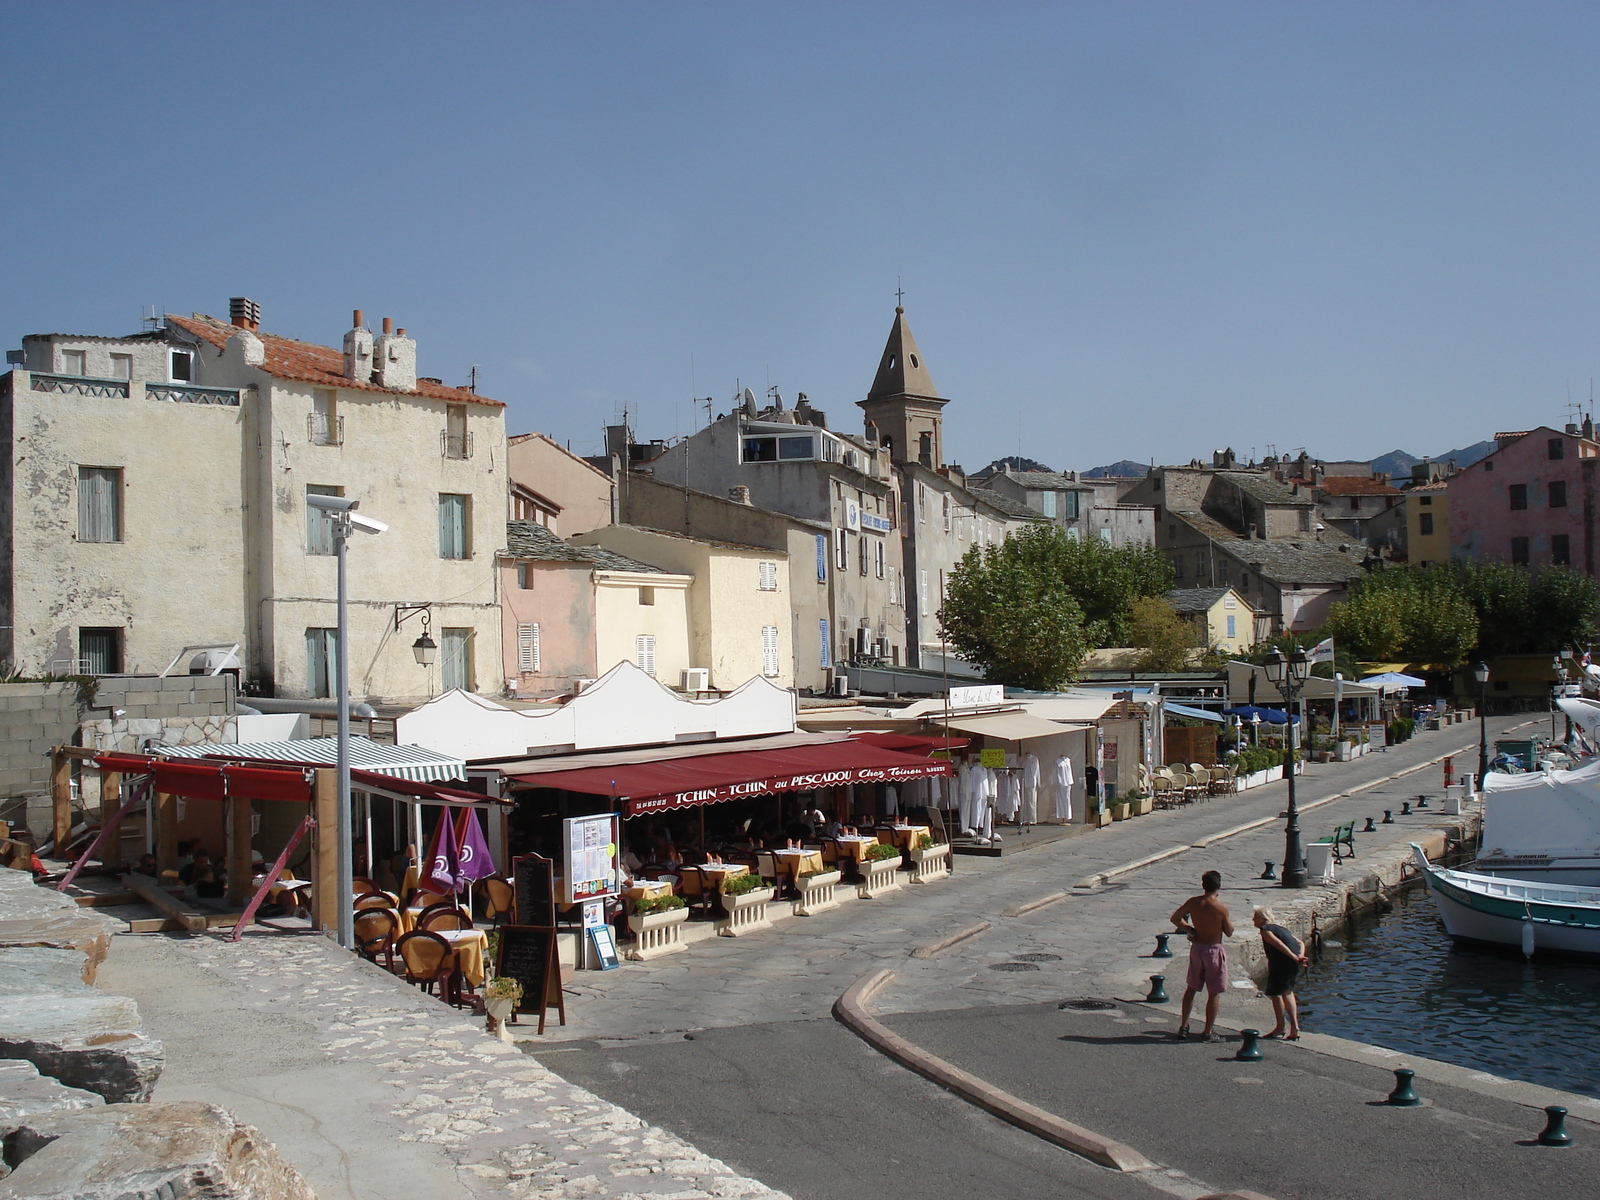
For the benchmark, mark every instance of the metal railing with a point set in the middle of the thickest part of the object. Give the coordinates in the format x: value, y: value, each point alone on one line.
x: 192, y: 393
x: 81, y: 385
x: 323, y: 431
x: 455, y: 445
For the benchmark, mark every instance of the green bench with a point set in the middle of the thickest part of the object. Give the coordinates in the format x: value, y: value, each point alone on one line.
x: 1344, y: 841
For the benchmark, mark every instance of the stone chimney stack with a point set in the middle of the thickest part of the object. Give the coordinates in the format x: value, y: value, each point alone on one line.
x: 394, y: 359
x: 739, y: 494
x: 245, y: 313
x: 358, y: 351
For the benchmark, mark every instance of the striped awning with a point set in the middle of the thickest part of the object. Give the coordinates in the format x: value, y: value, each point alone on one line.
x: 405, y: 762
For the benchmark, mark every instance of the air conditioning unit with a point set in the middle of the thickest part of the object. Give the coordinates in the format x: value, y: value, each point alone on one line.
x: 696, y: 679
x: 863, y: 641
x: 883, y: 648
x: 841, y: 685
x: 580, y: 686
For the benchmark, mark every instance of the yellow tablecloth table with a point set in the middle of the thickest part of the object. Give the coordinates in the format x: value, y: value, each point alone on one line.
x: 905, y: 836
x: 856, y: 847
x: 799, y: 862
x: 647, y: 889
x: 470, y: 946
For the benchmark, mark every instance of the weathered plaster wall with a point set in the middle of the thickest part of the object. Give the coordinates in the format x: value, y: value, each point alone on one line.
x: 537, y: 462
x: 619, y: 618
x: 561, y: 602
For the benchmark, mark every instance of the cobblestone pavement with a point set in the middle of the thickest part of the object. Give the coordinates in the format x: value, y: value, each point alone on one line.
x: 1101, y: 937
x: 459, y: 1102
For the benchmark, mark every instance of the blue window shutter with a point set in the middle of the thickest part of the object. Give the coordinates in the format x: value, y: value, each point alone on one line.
x: 827, y: 650
x: 822, y: 562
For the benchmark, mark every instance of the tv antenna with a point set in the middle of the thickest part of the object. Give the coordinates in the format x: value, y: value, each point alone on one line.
x: 472, y: 379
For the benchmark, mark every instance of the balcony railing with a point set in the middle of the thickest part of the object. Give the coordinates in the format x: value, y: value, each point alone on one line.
x: 192, y: 393
x: 322, y: 430
x: 81, y: 385
x: 455, y: 445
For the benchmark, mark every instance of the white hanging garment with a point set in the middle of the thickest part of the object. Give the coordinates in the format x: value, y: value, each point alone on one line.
x: 966, y: 786
x: 1030, y: 789
x: 891, y: 801
x: 1010, y: 795
x: 1062, y: 781
x: 935, y: 791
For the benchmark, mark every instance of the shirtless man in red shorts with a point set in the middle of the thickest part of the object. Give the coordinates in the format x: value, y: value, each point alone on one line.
x: 1205, y: 919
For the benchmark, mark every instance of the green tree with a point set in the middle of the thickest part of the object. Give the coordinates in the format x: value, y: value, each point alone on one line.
x: 1165, y: 638
x: 1371, y: 624
x: 1104, y: 579
x: 1009, y: 611
x: 1563, y: 604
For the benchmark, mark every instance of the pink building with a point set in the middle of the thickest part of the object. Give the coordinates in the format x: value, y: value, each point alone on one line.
x: 1531, y: 502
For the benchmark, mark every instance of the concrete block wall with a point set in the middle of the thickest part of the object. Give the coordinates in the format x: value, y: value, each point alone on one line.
x: 34, y: 717
x: 142, y: 697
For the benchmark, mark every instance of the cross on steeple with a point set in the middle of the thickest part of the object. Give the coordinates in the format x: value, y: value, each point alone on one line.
x: 899, y: 294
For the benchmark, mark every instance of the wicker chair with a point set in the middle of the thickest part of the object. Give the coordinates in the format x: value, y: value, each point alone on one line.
x: 362, y: 886
x: 377, y: 900
x: 442, y: 917
x: 375, y: 930
x: 429, y: 961
x: 500, y: 900
x: 1164, y: 790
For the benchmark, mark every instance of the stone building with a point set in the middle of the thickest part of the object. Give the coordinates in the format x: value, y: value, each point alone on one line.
x: 155, y: 498
x: 1083, y: 507
x: 556, y: 488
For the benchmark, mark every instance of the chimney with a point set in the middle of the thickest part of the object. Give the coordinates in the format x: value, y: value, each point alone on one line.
x: 394, y: 359
x: 1588, y: 427
x: 358, y: 350
x: 739, y: 494
x: 244, y: 313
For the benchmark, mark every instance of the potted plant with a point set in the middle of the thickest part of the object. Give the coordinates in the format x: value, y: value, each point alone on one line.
x: 500, y: 996
x: 1142, y: 803
x: 880, y: 871
x: 1100, y: 815
x: 929, y: 860
x: 816, y: 892
x: 656, y: 923
x: 745, y: 899
x: 1119, y: 808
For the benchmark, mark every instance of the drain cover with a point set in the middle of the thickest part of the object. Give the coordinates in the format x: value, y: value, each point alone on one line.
x: 1040, y: 957
x: 1013, y: 966
x: 1086, y: 1005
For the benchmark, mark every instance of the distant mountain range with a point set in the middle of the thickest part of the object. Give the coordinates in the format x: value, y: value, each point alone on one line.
x: 1398, y: 462
x: 1126, y: 469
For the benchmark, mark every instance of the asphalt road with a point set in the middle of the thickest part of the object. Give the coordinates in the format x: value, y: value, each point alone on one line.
x: 809, y: 1109
x: 1296, y: 1126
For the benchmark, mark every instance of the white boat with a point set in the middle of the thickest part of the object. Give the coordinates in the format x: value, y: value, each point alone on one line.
x: 1509, y: 912
x: 1543, y: 826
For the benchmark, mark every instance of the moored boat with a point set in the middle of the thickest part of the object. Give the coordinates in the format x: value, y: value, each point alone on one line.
x: 1542, y: 827
x: 1511, y: 912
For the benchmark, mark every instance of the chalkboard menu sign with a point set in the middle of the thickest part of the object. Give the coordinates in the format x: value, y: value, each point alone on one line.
x: 528, y: 955
x: 536, y: 889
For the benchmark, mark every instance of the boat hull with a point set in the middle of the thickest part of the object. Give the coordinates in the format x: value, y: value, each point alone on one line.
x: 1530, y: 915
x: 1467, y: 924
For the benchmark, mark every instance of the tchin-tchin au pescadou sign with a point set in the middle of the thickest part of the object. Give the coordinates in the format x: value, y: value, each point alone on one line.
x: 786, y: 783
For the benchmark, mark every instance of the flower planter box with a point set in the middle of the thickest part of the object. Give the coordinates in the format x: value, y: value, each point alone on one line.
x: 656, y: 934
x: 816, y: 894
x: 746, y: 913
x: 879, y: 876
x: 1101, y: 818
x: 930, y: 865
x: 1143, y: 805
x: 1119, y: 812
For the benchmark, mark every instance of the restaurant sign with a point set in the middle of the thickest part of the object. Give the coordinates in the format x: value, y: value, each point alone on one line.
x: 787, y: 783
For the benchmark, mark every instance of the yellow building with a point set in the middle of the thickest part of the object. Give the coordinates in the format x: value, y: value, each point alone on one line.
x: 1428, y: 524
x: 1226, y: 618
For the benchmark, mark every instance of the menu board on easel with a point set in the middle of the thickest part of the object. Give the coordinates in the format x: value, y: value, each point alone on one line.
x: 528, y: 955
x: 534, y: 878
x: 589, y: 846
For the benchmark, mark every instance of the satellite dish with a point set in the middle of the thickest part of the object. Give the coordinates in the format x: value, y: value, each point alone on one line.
x: 749, y: 403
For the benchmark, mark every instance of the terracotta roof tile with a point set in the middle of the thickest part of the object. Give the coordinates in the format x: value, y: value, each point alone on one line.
x: 1356, y: 485
x: 310, y: 363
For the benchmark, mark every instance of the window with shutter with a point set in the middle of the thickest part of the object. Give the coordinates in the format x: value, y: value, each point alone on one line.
x: 861, y: 552
x: 99, y: 504
x: 922, y: 592
x: 322, y: 662
x: 841, y: 550
x: 1049, y: 505
x: 878, y: 557
x: 768, y: 573
x: 644, y: 649
x: 100, y: 651
x: 528, y: 648
x: 769, y: 650
x: 453, y: 526
x: 319, y: 523
x: 455, y: 660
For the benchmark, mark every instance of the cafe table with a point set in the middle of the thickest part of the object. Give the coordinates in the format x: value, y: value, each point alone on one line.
x: 470, y: 946
x: 287, y: 887
x: 798, y: 862
x: 905, y: 836
x: 648, y: 889
x: 856, y: 846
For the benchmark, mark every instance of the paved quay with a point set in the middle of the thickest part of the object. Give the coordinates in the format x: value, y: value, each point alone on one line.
x: 377, y: 1092
x: 796, y: 972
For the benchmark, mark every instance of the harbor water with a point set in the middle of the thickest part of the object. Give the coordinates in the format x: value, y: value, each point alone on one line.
x: 1399, y: 982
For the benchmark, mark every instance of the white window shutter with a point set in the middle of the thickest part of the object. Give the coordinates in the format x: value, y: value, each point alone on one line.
x: 528, y: 648
x: 769, y: 650
x: 922, y: 588
x: 769, y: 576
x: 644, y: 646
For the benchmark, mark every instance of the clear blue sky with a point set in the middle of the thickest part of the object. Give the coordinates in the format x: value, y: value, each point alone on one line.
x: 1125, y: 229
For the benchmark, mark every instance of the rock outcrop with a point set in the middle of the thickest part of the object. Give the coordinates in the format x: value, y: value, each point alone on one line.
x: 179, y: 1151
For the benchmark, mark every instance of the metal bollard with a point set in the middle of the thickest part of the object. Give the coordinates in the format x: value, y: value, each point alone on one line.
x: 1371, y: 828
x: 1555, y: 1127
x: 1405, y: 808
x: 1404, y: 1095
x: 1158, y: 990
x: 1162, y: 950
x: 1249, y: 1046
x: 1388, y: 817
x: 1422, y: 802
x: 1269, y: 873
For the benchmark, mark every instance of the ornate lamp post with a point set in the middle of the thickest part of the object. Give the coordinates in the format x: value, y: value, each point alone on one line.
x: 1480, y: 672
x: 1288, y: 675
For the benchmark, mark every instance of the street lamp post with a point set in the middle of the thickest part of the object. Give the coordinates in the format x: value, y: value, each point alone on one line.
x: 1480, y: 672
x: 342, y: 514
x: 1288, y: 675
